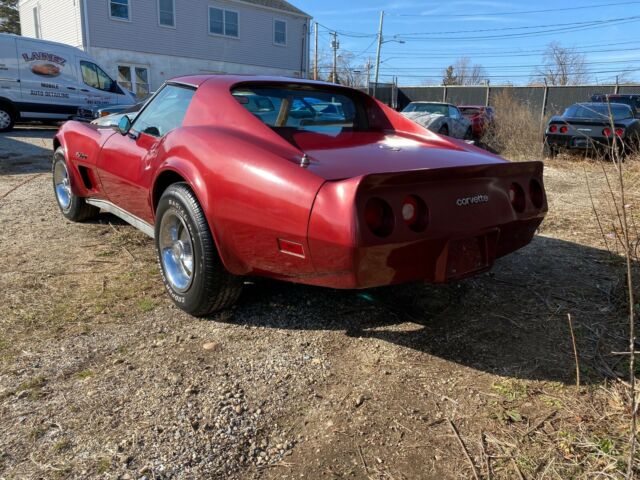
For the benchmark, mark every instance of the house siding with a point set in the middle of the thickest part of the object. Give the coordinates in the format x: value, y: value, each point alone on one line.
x: 191, y: 39
x: 60, y: 20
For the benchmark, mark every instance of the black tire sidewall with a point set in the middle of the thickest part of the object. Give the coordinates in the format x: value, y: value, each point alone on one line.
x: 12, y: 116
x: 444, y: 130
x: 173, y: 201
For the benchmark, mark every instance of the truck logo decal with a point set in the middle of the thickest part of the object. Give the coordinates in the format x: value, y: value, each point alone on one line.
x: 45, y: 64
x: 46, y: 57
x: 474, y: 200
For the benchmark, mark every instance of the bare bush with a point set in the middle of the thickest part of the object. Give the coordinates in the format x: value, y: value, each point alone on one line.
x: 516, y: 133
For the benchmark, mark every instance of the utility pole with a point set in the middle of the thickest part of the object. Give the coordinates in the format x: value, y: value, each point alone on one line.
x: 335, y: 45
x: 368, y: 67
x: 375, y: 84
x: 315, y: 51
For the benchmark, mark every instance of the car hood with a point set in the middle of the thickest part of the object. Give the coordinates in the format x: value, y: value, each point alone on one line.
x: 355, y: 154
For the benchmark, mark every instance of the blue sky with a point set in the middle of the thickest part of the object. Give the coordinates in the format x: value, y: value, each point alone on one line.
x: 610, y: 46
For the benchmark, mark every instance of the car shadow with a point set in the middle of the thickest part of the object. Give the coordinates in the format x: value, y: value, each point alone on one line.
x: 511, y: 321
x: 26, y: 150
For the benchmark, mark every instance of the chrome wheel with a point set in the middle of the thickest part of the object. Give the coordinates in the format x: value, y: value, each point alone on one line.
x: 61, y: 185
x: 5, y: 119
x: 176, y: 252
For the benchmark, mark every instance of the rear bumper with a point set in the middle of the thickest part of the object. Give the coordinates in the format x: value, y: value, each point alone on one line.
x: 571, y: 142
x: 429, y: 260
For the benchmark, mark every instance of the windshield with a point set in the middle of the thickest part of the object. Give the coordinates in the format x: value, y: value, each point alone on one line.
x: 436, y: 108
x: 305, y: 109
x: 598, y: 111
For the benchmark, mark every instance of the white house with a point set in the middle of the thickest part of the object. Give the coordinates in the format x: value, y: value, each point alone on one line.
x: 142, y: 43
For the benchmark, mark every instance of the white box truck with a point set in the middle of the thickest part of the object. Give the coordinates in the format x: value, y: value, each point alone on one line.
x: 49, y: 81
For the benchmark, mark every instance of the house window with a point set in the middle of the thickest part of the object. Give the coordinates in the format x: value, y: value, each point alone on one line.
x: 280, y: 32
x: 223, y: 22
x: 135, y: 79
x: 119, y: 9
x: 36, y: 22
x: 167, y: 13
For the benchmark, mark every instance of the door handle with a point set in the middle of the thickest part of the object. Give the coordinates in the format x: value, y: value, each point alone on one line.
x: 71, y: 88
x: 84, y: 90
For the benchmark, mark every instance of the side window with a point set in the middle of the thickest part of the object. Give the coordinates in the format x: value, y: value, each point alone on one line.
x: 119, y: 9
x: 166, y: 111
x: 279, y: 32
x: 95, y: 77
x: 454, y: 112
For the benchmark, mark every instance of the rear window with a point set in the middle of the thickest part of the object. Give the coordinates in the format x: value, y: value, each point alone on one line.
x: 305, y: 109
x: 470, y: 111
x: 599, y: 111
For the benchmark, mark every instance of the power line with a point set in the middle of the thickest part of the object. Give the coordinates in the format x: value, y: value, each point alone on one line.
x: 536, y: 53
x: 525, y: 34
x: 496, y: 14
x: 499, y: 67
x: 512, y: 76
x: 528, y: 27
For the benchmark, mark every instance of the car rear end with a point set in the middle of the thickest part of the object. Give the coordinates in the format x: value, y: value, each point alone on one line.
x: 434, y: 225
x: 582, y: 135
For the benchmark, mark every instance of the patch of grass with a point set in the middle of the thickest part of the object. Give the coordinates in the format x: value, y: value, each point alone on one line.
x: 145, y: 304
x: 106, y: 253
x: 103, y: 466
x: 33, y: 386
x: 61, y: 445
x: 84, y: 374
x: 37, y: 432
x: 511, y: 390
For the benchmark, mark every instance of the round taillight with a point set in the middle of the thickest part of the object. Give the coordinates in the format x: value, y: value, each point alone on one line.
x: 619, y: 132
x: 606, y: 132
x: 379, y: 217
x: 415, y: 213
x: 564, y: 129
x: 516, y: 197
x: 536, y: 192
x: 553, y: 129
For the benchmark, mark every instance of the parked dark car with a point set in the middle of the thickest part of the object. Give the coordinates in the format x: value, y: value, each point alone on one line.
x: 481, y: 118
x: 632, y: 100
x: 593, y: 126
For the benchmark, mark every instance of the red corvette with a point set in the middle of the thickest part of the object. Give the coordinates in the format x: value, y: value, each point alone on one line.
x: 296, y: 180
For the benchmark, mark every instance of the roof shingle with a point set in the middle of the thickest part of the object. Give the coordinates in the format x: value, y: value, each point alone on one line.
x: 278, y: 5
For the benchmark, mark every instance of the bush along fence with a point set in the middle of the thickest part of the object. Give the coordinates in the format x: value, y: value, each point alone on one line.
x: 541, y: 100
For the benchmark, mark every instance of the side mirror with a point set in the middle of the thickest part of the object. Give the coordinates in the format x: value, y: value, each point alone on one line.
x: 124, y: 125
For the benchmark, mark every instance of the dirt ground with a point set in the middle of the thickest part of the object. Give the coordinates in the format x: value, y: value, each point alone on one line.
x: 102, y: 377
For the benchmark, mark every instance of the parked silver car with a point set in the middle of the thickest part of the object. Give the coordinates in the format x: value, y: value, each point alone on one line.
x: 442, y: 118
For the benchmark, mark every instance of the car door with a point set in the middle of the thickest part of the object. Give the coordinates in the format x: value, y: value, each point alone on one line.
x: 125, y: 161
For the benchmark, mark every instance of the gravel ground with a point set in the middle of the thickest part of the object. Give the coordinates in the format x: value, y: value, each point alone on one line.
x: 102, y: 377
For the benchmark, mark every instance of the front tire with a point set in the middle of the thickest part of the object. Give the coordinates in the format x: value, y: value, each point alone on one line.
x: 444, y: 130
x: 74, y: 208
x: 191, y: 269
x: 7, y: 118
x: 548, y: 151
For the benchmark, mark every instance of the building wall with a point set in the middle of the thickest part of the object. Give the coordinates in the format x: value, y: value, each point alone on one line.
x: 190, y: 38
x: 60, y: 20
x: 165, y: 67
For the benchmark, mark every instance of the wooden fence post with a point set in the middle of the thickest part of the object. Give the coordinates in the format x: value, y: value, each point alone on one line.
x: 544, y: 102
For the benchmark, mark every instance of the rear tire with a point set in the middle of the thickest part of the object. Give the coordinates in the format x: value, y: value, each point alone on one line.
x: 74, y: 208
x: 468, y: 134
x: 7, y: 118
x: 191, y: 269
x: 548, y: 151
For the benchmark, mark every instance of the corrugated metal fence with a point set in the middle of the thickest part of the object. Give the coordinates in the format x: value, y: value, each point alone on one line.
x: 541, y: 100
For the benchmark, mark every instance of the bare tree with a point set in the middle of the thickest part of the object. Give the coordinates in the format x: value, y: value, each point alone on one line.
x: 563, y: 66
x: 348, y: 71
x: 463, y: 72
